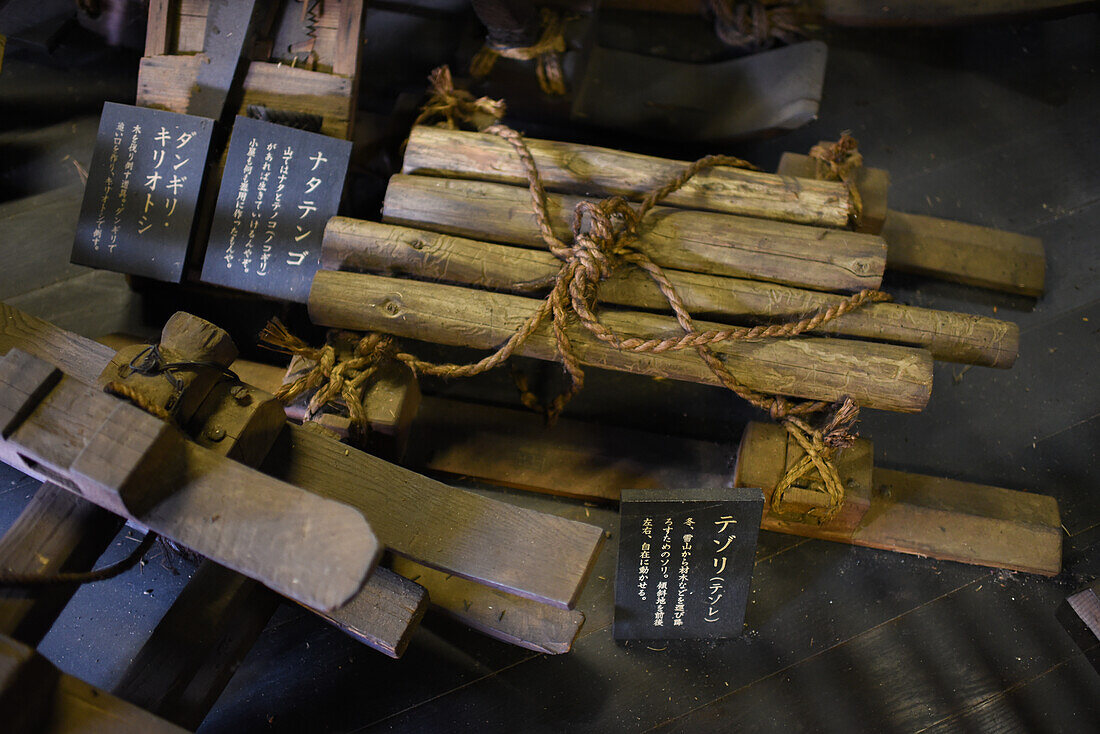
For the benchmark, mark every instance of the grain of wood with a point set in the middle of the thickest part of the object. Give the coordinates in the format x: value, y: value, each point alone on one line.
x: 874, y: 375
x: 704, y: 242
x: 587, y: 170
x: 363, y: 246
x: 521, y: 551
x: 505, y: 617
x: 942, y: 248
x: 166, y: 82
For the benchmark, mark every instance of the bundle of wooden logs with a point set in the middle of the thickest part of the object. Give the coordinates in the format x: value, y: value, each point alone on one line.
x: 459, y: 248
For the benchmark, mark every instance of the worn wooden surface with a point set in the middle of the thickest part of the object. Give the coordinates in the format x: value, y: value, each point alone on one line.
x: 591, y: 171
x: 873, y: 185
x: 360, y: 245
x: 722, y: 244
x: 942, y: 248
x: 165, y: 82
x: 525, y: 553
x: 385, y: 614
x: 876, y: 375
x: 505, y: 617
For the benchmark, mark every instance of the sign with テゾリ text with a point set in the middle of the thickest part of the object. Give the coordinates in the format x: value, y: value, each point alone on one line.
x: 685, y: 562
x: 279, y: 189
x: 143, y: 187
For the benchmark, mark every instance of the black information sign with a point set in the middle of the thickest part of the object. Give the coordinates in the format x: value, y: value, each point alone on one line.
x: 279, y: 189
x: 143, y: 187
x: 685, y: 562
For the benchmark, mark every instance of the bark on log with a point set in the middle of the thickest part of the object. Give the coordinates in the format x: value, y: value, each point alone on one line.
x: 703, y: 242
x: 588, y: 170
x: 352, y: 244
x: 874, y: 375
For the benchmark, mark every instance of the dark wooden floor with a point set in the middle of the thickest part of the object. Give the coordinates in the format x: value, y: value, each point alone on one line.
x: 996, y: 126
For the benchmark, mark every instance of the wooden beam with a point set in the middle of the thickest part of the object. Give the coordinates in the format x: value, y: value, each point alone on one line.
x: 505, y: 617
x: 157, y: 41
x: 385, y: 614
x: 520, y: 551
x: 680, y: 239
x: 56, y: 532
x: 874, y: 375
x: 363, y: 246
x: 587, y: 170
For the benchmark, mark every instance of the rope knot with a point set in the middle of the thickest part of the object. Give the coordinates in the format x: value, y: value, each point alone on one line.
x: 546, y: 52
x: 457, y: 107
x: 841, y: 161
x: 755, y: 26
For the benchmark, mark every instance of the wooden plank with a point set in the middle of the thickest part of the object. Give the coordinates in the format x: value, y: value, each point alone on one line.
x: 165, y: 82
x: 928, y: 516
x: 384, y: 614
x: 56, y: 532
x: 965, y: 253
x: 35, y: 697
x: 515, y: 448
x: 587, y: 170
x: 941, y: 248
x: 874, y: 375
x: 719, y: 244
x: 357, y: 245
x: 48, y: 220
x: 157, y: 41
x: 520, y: 551
x: 505, y: 617
x: 965, y: 522
x: 309, y: 549
x: 349, y: 39
x: 197, y: 645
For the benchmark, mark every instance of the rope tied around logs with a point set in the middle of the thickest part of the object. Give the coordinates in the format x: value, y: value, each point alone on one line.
x: 755, y: 26
x: 546, y: 52
x: 332, y: 378
x: 841, y: 161
x: 605, y: 238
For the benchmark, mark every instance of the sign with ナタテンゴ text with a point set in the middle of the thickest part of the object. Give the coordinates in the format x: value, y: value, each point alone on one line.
x: 280, y: 187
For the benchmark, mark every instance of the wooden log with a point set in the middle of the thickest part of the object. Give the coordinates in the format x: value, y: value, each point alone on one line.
x: 37, y: 698
x: 587, y: 170
x: 505, y: 617
x: 357, y: 245
x: 704, y: 242
x: 941, y: 248
x: 874, y: 375
x: 928, y: 516
x: 109, y: 452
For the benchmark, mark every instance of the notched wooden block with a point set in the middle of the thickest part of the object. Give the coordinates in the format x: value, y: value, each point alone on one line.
x: 765, y: 454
